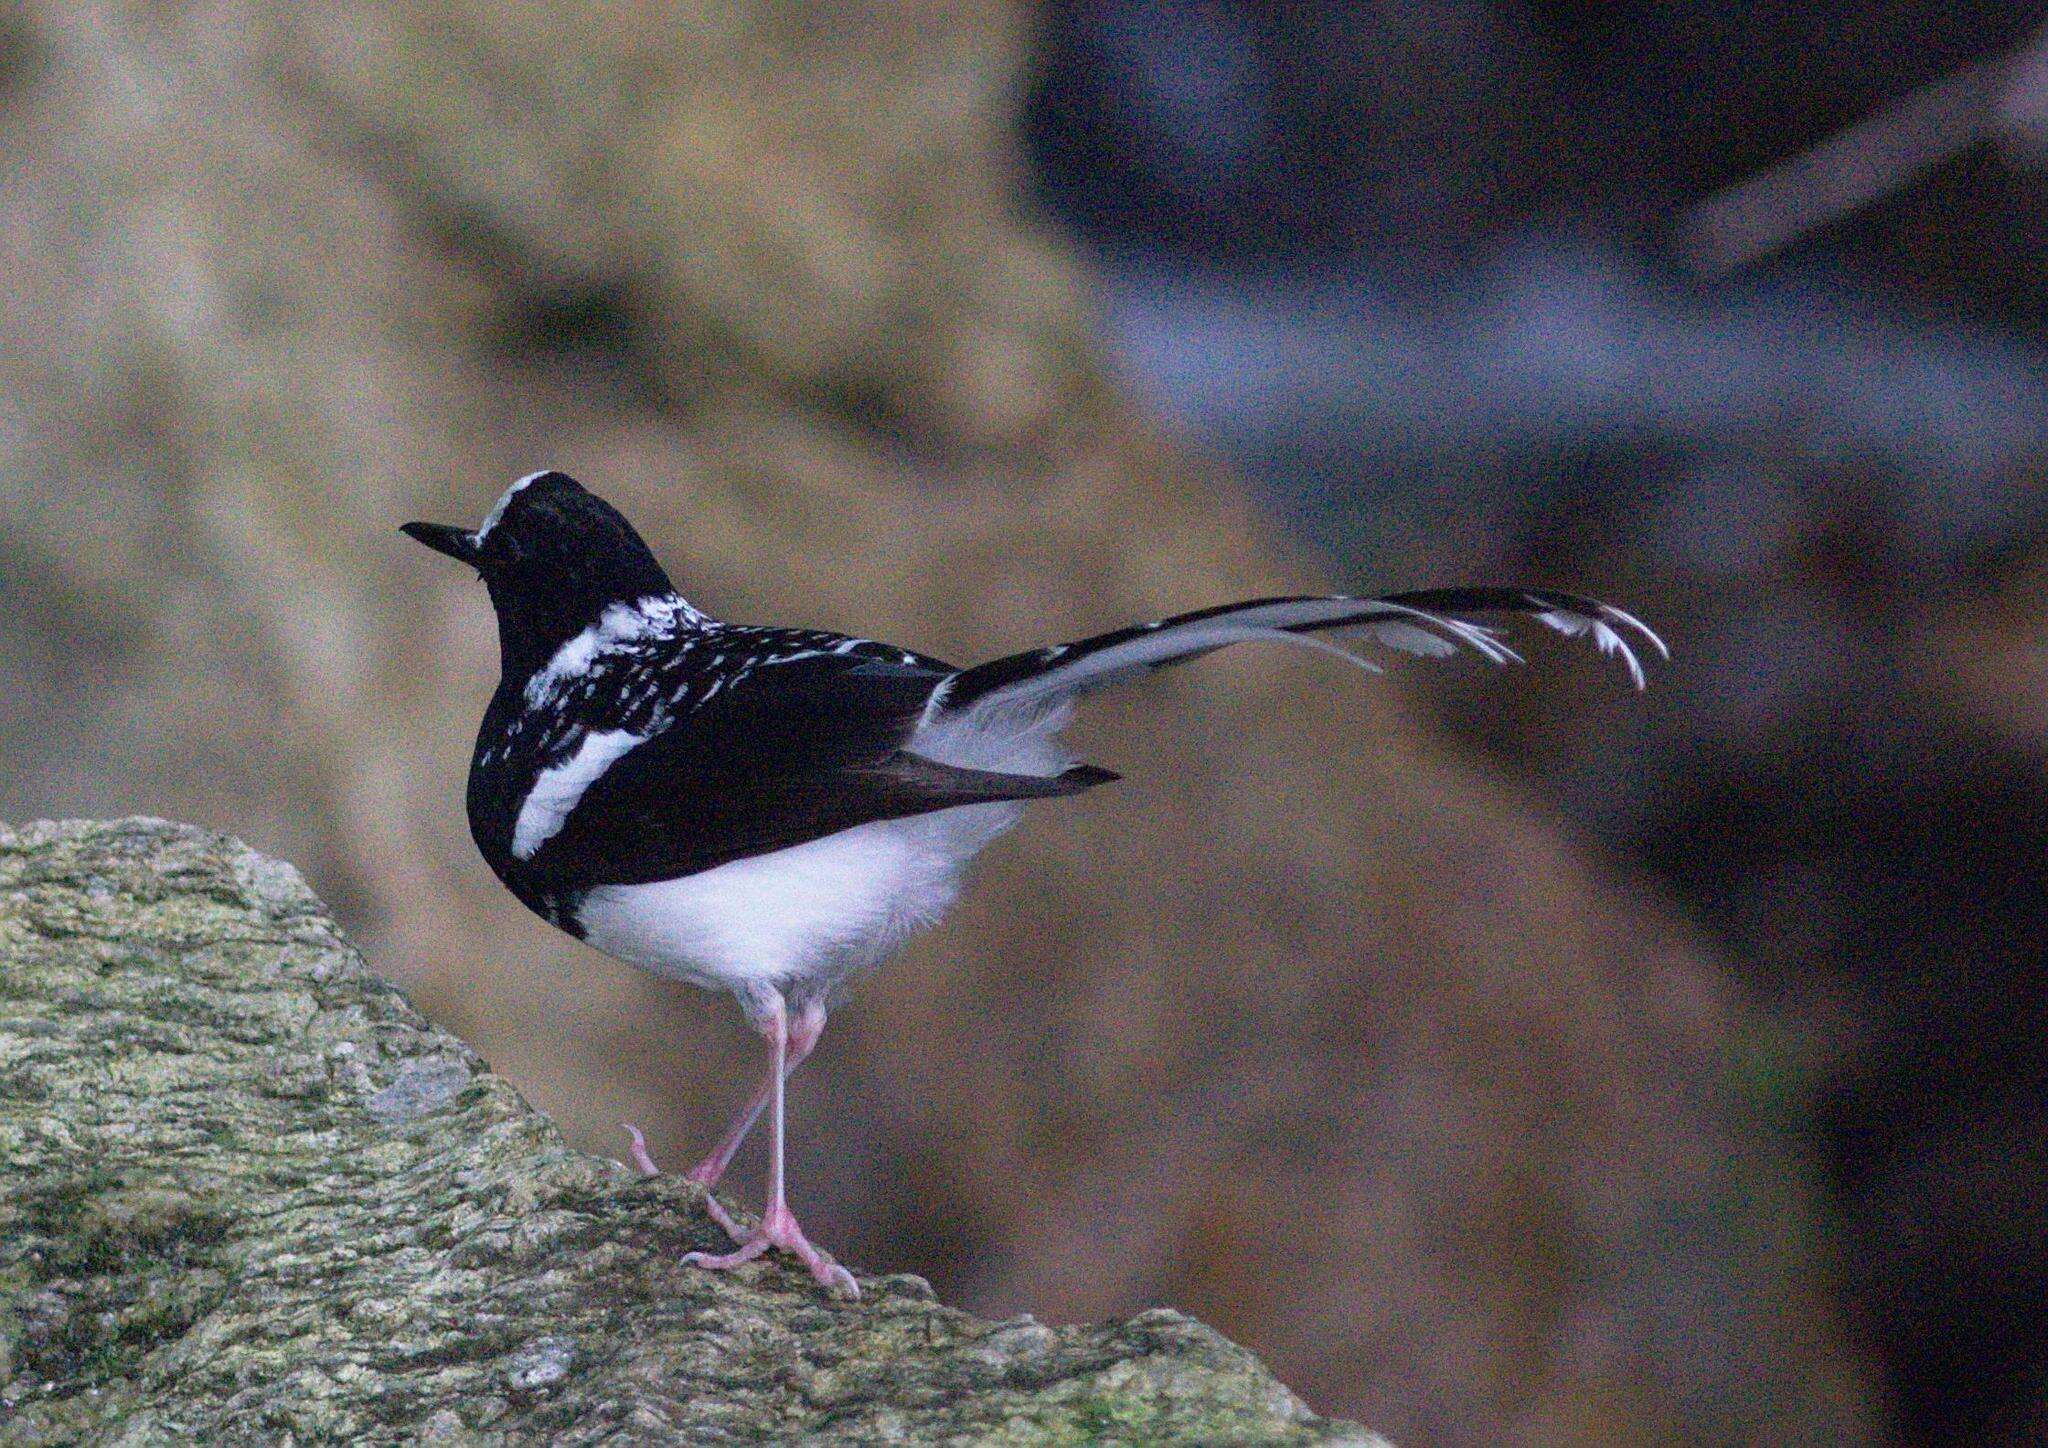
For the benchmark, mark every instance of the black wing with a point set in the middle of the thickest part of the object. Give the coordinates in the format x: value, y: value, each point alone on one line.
x: 785, y: 752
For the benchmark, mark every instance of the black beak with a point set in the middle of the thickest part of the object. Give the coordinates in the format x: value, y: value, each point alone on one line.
x: 457, y: 543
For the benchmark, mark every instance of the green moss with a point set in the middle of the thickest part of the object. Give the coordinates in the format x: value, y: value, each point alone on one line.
x: 1115, y: 1420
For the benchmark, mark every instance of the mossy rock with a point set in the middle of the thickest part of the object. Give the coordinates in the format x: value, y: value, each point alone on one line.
x: 248, y: 1194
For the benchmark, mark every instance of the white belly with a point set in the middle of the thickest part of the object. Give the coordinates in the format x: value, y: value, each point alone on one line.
x: 815, y: 913
x: 811, y: 913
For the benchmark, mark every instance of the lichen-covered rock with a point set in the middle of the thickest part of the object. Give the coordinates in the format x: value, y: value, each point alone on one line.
x: 247, y: 1194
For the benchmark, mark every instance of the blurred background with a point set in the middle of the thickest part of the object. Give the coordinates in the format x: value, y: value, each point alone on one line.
x: 1504, y: 1056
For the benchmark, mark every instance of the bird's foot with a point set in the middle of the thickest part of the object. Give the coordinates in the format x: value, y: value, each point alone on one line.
x: 704, y: 1174
x: 640, y: 1157
x: 714, y: 1206
x: 779, y: 1229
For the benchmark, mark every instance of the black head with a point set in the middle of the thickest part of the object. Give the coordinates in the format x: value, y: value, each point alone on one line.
x: 555, y: 556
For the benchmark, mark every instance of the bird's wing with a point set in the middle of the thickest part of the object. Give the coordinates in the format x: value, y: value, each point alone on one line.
x: 803, y: 737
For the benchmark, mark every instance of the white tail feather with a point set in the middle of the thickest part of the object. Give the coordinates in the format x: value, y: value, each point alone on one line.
x: 1306, y: 641
x: 1429, y: 624
x: 1395, y: 625
x: 1606, y: 637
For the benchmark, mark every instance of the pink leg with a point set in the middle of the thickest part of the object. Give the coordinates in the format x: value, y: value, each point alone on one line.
x: 803, y: 1038
x: 779, y: 1226
x: 640, y: 1157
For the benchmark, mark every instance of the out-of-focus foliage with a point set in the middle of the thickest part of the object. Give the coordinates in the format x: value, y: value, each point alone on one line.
x: 1312, y: 1026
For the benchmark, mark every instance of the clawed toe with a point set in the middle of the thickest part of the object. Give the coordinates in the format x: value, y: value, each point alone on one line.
x: 712, y: 1204
x: 720, y: 1262
x: 640, y: 1157
x: 780, y: 1229
x: 837, y: 1280
x: 717, y: 1211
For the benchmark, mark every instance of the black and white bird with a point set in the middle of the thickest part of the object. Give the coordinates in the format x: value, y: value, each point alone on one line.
x: 771, y: 811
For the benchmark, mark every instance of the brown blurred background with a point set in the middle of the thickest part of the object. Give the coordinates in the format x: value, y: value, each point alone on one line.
x: 1504, y: 1056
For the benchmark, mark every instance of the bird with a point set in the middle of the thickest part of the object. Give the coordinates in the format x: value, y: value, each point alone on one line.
x: 772, y: 811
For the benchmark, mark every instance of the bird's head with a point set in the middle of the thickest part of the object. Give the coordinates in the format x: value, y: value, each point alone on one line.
x: 554, y: 556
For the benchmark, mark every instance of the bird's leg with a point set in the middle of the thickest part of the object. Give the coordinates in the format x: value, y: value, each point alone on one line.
x: 803, y: 1037
x: 779, y: 1227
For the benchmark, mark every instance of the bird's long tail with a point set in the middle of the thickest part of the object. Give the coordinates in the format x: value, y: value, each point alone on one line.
x: 1431, y: 622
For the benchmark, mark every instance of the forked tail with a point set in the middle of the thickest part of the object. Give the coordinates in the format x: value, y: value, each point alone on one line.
x: 1430, y: 622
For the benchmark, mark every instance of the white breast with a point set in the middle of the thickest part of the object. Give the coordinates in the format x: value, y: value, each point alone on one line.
x: 812, y: 912
x: 822, y: 910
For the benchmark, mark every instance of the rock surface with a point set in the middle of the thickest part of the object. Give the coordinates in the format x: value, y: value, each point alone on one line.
x: 249, y: 1194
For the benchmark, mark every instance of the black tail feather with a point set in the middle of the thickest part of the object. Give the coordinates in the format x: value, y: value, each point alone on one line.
x: 1425, y: 621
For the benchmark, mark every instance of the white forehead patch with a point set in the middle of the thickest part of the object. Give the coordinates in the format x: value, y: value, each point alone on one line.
x: 505, y: 498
